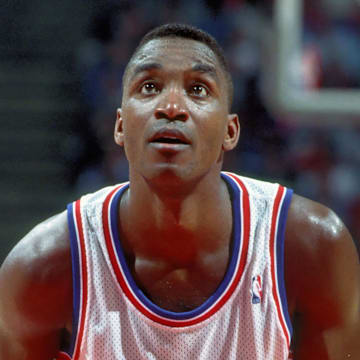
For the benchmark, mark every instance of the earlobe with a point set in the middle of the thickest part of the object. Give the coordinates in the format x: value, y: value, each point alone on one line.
x: 232, y: 132
x: 118, y: 131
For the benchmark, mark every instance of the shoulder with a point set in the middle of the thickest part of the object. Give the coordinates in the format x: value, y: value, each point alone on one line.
x: 255, y: 188
x: 311, y: 225
x: 35, y: 280
x: 315, y: 230
x: 321, y: 264
x: 97, y: 198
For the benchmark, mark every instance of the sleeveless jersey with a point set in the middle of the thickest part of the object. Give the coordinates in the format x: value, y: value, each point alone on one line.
x: 246, y: 318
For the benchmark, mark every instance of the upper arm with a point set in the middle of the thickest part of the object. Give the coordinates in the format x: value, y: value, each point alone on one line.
x: 323, y: 280
x: 35, y: 296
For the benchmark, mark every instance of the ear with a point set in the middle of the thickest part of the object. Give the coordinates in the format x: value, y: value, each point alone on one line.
x: 118, y: 131
x: 232, y: 132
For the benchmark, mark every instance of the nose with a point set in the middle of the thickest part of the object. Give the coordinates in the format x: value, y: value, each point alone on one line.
x: 171, y: 107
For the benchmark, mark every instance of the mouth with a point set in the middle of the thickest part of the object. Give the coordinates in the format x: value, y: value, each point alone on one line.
x: 169, y: 137
x: 168, y: 140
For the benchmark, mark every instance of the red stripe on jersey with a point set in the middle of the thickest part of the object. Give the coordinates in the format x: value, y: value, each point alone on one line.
x: 245, y: 238
x: 121, y: 277
x: 109, y: 244
x: 63, y: 356
x: 113, y: 257
x: 273, y: 233
x: 111, y: 250
x: 83, y: 277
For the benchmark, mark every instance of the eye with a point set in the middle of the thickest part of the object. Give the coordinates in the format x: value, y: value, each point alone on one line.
x: 199, y: 91
x: 149, y: 88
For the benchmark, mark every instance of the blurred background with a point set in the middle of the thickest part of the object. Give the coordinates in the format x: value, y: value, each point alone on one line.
x: 61, y: 65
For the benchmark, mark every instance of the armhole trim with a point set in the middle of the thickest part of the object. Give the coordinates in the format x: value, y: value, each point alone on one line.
x: 80, y: 280
x: 277, y: 251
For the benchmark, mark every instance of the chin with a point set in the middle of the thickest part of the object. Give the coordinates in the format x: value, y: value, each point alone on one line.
x: 170, y: 177
x: 168, y: 173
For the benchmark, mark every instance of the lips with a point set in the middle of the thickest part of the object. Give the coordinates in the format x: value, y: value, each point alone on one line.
x: 169, y: 136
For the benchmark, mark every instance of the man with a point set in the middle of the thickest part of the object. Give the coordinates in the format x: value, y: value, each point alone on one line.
x: 183, y: 262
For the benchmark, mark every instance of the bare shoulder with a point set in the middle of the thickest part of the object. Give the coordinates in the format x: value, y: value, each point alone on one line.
x: 46, y: 240
x: 318, y: 244
x: 322, y: 275
x: 316, y: 232
x: 35, y: 282
x: 315, y: 220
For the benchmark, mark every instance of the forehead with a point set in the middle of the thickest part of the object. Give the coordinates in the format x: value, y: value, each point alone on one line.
x: 175, y: 52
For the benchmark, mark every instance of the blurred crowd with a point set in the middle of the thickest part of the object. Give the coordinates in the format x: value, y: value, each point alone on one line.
x: 331, y: 42
x: 320, y: 163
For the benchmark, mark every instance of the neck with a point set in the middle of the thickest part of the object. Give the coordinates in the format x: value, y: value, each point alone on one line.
x: 176, y: 227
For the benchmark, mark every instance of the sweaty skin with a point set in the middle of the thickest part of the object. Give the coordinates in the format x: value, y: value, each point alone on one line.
x: 177, y: 85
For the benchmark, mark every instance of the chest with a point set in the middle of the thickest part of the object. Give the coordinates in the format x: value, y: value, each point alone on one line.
x: 180, y: 289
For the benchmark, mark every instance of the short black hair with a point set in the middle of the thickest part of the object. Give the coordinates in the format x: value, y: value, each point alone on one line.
x: 186, y: 31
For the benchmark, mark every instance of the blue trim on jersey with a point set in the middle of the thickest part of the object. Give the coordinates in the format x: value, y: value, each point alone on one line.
x: 235, y: 192
x: 280, y: 254
x: 75, y: 276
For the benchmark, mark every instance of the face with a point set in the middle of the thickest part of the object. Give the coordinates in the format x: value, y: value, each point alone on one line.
x: 174, y: 122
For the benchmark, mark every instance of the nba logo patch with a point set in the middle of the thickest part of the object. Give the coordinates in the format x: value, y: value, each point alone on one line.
x: 256, y: 290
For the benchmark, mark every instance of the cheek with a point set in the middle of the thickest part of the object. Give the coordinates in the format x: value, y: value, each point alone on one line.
x: 212, y: 128
x: 135, y: 118
x: 211, y: 141
x: 131, y: 130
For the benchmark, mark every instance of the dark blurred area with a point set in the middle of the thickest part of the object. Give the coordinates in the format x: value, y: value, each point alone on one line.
x: 61, y: 67
x: 331, y: 47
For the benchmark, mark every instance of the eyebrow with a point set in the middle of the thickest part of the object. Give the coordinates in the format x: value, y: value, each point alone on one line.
x: 198, y: 67
x: 145, y: 67
x: 206, y: 69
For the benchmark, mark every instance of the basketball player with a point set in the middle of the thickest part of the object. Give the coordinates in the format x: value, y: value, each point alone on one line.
x: 184, y: 261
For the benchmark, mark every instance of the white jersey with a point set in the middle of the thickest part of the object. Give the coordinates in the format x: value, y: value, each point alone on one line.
x: 246, y: 318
